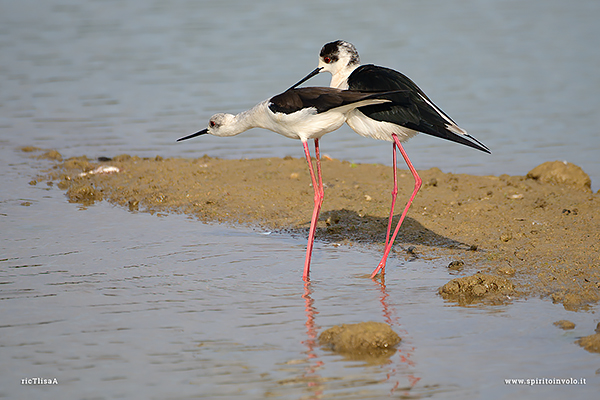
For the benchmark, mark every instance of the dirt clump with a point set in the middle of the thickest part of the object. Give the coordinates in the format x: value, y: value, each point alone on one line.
x: 564, y: 324
x: 84, y: 194
x: 561, y: 172
x: 573, y: 300
x: 591, y: 343
x: 370, y: 341
x: 478, y: 288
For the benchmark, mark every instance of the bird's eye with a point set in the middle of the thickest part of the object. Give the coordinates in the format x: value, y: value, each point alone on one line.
x: 327, y: 60
x: 212, y: 124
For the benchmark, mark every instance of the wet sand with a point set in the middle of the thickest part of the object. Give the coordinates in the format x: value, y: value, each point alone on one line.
x: 534, y: 235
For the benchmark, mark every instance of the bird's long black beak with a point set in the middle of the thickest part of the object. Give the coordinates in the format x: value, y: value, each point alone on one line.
x: 202, y: 132
x: 307, y: 77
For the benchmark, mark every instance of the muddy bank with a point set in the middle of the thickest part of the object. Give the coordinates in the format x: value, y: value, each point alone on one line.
x: 539, y: 234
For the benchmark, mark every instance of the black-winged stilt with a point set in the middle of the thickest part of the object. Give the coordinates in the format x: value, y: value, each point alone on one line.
x: 305, y: 113
x: 395, y: 122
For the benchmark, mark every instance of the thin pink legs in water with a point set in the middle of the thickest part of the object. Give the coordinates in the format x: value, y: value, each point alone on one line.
x: 319, y: 195
x: 390, y: 241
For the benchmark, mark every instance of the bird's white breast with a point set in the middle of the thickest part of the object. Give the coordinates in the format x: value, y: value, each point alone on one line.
x: 379, y: 130
x: 304, y: 124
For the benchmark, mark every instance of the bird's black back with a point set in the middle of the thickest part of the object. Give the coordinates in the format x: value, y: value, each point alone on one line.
x: 416, y: 114
x: 323, y: 99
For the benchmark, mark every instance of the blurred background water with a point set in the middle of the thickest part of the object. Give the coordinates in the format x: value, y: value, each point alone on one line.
x: 118, y: 304
x: 101, y: 77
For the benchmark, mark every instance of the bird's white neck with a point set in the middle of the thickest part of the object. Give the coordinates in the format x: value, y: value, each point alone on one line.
x: 340, y: 78
x: 256, y: 117
x: 232, y: 125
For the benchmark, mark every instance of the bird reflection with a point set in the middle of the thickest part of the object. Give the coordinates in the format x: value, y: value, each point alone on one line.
x: 402, y: 364
x: 404, y: 352
x: 311, y: 343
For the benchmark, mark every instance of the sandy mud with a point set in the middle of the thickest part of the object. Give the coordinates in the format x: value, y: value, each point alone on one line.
x: 513, y: 235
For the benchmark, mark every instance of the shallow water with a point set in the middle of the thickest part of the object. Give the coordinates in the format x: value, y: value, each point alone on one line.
x: 118, y: 304
x: 115, y: 304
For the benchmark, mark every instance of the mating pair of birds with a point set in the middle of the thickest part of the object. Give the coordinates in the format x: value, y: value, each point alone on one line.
x: 376, y: 102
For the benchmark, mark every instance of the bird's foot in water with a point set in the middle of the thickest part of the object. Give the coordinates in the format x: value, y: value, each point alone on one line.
x: 379, y: 270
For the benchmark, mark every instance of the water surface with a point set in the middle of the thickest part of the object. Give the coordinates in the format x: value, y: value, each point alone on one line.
x: 115, y: 304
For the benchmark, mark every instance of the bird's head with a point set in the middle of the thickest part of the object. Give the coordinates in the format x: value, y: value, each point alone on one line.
x: 222, y: 125
x: 338, y: 56
x: 219, y: 125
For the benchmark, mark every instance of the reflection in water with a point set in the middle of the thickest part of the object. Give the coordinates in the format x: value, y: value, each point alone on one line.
x: 311, y: 332
x: 311, y: 376
x: 404, y: 354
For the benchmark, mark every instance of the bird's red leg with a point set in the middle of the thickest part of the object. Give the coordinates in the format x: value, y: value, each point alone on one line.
x: 319, y: 195
x: 388, y: 246
x: 318, y: 157
x: 394, y: 194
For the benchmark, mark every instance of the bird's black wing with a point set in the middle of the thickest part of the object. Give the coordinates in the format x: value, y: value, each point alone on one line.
x: 324, y: 98
x: 419, y: 114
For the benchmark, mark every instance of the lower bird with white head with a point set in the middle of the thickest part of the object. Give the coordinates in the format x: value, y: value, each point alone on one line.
x: 305, y: 113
